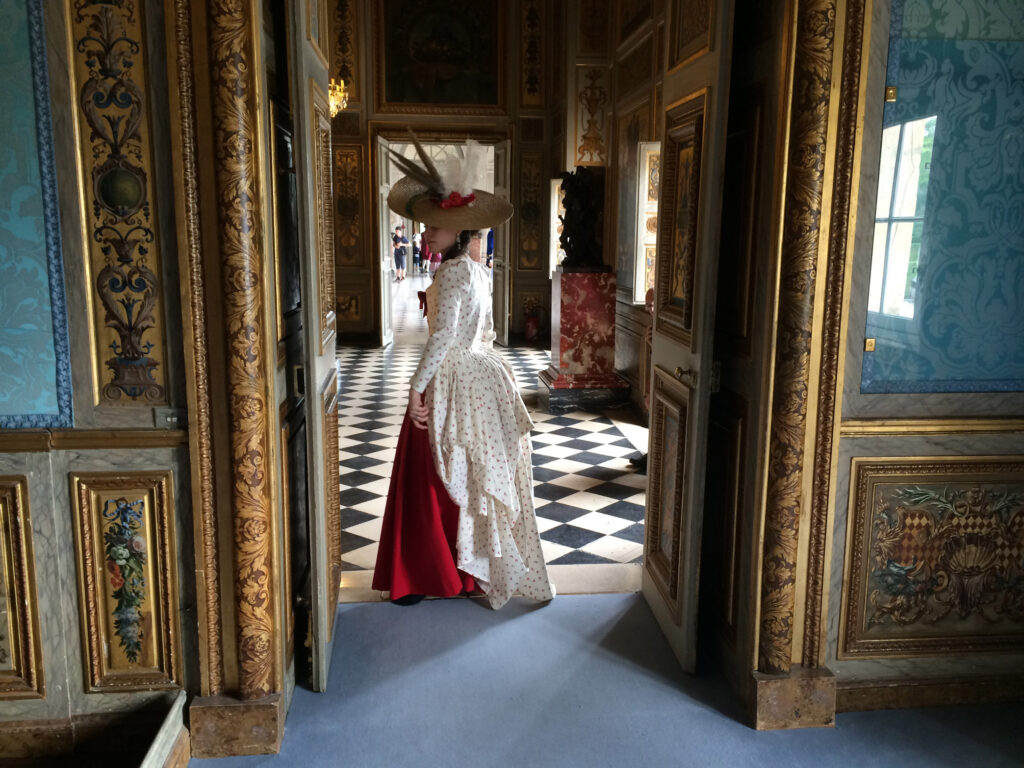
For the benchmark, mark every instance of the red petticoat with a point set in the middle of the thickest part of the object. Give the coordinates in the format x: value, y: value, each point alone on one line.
x: 417, y: 540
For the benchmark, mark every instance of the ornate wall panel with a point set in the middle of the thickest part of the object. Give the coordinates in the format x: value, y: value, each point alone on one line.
x: 345, y: 54
x: 349, y: 173
x: 936, y: 557
x: 532, y: 210
x: 666, y: 485
x: 594, y: 38
x: 679, y: 217
x: 35, y: 365
x: 531, y: 52
x: 123, y: 256
x: 127, y: 579
x: 21, y: 662
x: 691, y: 30
x: 633, y: 72
x: 324, y: 201
x: 632, y: 16
x: 592, y: 104
x: 329, y: 401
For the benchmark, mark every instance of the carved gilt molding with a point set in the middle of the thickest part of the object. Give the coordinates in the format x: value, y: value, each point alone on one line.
x: 329, y: 401
x: 196, y: 363
x: 127, y: 580
x: 801, y: 230
x: 234, y: 91
x: 21, y: 654
x: 324, y: 204
x: 829, y: 394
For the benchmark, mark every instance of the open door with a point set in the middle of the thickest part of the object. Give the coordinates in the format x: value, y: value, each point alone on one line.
x: 696, y: 94
x: 312, y: 148
x: 501, y: 284
x: 387, y: 333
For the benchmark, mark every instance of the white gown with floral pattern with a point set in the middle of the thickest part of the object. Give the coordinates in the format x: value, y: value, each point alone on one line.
x: 480, y: 437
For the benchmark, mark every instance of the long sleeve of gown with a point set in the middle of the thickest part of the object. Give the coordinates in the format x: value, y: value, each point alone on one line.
x: 449, y: 300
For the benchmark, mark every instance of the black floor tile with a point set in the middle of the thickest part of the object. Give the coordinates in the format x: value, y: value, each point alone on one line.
x: 570, y: 536
x: 579, y: 557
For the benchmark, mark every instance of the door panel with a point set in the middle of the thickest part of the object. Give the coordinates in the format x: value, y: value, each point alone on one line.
x: 502, y: 285
x: 692, y: 163
x: 313, y: 173
x: 387, y: 333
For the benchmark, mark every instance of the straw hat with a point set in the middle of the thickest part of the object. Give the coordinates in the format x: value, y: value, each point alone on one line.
x: 447, y: 198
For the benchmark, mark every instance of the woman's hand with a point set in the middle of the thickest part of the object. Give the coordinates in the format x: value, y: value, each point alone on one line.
x: 417, y: 410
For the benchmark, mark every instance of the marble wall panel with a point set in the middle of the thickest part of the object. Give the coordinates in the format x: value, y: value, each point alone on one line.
x: 49, y: 540
x: 939, y: 664
x: 103, y: 460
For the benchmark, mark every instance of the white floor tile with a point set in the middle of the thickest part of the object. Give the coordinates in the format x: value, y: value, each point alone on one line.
x: 586, y: 500
x: 614, y: 548
x: 601, y: 523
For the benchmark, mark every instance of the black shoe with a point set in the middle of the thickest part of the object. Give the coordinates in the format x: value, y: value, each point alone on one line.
x: 408, y: 600
x: 639, y: 463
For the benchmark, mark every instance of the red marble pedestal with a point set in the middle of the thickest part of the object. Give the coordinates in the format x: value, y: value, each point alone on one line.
x: 582, y: 372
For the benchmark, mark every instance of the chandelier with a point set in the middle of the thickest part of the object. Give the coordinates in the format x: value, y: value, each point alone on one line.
x: 338, y: 97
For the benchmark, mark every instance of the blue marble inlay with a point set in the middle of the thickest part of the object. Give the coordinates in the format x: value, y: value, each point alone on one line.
x: 963, y: 64
x: 35, y: 368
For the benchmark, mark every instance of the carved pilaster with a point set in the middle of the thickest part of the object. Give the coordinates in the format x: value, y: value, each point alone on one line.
x: 234, y: 96
x: 812, y: 76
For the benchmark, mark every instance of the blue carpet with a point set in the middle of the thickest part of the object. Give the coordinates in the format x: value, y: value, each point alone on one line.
x: 587, y: 680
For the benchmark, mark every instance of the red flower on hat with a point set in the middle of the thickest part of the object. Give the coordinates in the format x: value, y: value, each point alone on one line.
x: 455, y: 200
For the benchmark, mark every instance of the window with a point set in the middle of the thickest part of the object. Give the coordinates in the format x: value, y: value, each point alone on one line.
x: 899, y: 216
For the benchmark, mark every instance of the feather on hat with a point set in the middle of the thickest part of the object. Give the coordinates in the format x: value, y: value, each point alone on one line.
x: 446, y: 198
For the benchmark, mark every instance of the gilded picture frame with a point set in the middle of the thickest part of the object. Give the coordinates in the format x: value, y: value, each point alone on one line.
x: 935, y: 557
x: 440, y: 58
x: 21, y: 655
x: 127, y: 580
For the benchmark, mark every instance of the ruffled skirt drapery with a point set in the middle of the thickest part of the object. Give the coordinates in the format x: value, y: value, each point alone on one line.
x: 480, y: 435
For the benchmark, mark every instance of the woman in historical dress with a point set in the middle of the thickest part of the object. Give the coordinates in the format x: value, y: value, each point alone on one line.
x: 464, y: 520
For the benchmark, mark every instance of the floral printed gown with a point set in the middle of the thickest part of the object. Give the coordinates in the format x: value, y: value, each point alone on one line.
x: 480, y: 437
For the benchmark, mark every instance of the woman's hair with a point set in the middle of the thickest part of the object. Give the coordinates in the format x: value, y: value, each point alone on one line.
x: 461, y: 245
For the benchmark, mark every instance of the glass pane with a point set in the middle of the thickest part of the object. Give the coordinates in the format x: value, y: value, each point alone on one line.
x: 915, y: 162
x: 886, y: 170
x: 878, y: 267
x: 946, y: 294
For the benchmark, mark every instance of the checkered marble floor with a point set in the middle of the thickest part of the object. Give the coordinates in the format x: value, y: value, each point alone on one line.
x: 590, y: 503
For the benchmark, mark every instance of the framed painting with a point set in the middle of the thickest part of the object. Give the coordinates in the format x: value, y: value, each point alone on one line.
x: 440, y: 58
x: 679, y: 217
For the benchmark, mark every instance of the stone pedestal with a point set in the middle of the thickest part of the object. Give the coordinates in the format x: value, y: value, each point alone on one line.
x: 221, y: 726
x: 805, y: 698
x: 582, y: 372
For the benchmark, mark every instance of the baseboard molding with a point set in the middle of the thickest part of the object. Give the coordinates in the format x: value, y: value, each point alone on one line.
x: 865, y: 695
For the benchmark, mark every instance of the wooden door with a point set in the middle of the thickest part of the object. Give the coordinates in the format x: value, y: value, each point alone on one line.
x: 501, y: 264
x: 384, y: 248
x: 696, y: 94
x: 312, y: 147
